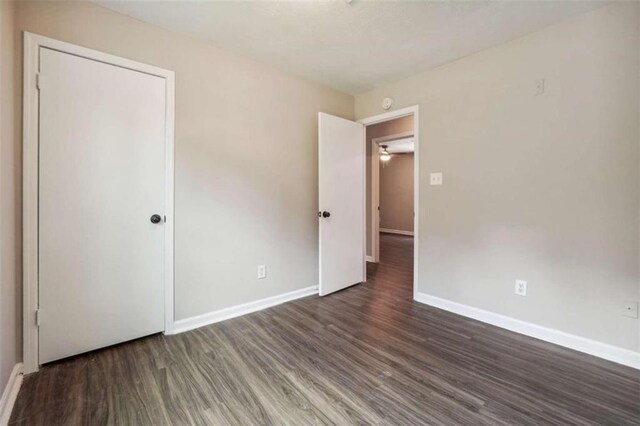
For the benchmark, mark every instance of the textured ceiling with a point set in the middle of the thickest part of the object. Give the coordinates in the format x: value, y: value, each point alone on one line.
x: 352, y: 47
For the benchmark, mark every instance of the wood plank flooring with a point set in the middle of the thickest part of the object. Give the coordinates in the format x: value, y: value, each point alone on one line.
x: 366, y: 355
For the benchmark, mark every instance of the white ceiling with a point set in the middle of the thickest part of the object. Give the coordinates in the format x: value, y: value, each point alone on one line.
x: 352, y: 47
x: 399, y: 146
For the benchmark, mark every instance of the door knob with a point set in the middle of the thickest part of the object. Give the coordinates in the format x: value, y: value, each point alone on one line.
x: 324, y: 214
x: 156, y: 218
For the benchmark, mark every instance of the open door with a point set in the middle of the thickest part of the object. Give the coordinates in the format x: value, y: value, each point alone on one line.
x: 341, y: 203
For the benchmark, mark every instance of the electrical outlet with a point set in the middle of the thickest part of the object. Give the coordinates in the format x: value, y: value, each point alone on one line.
x: 436, y: 178
x: 521, y: 288
x: 262, y: 272
x: 630, y: 309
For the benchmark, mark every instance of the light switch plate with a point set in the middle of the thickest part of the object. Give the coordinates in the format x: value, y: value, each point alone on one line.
x: 436, y: 178
x: 630, y: 309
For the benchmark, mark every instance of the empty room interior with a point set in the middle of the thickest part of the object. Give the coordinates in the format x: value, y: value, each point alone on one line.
x: 319, y: 212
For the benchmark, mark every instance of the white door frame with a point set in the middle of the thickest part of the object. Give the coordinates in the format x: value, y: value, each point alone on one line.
x: 387, y: 116
x: 374, y: 229
x: 32, y: 45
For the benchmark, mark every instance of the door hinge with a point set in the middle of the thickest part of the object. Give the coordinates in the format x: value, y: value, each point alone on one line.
x: 38, y: 81
x: 38, y: 318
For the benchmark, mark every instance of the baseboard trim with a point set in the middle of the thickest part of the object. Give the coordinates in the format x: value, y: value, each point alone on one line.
x: 368, y: 258
x: 239, y: 310
x: 10, y: 394
x: 571, y: 341
x: 396, y: 231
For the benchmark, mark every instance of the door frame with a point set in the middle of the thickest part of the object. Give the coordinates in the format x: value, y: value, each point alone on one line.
x: 387, y: 116
x: 30, y: 140
x: 374, y: 229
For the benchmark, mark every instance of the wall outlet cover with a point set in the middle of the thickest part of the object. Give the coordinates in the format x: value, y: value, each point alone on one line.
x: 262, y: 272
x: 436, y: 178
x: 521, y: 288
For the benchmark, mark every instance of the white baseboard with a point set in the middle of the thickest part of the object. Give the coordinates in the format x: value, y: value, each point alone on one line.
x: 10, y: 394
x: 238, y: 310
x: 368, y: 258
x: 581, y: 344
x: 396, y: 231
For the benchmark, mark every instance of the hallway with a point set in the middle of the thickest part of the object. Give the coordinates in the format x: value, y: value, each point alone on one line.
x: 394, y: 273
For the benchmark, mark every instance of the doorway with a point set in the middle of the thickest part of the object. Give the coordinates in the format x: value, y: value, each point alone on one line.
x: 343, y: 205
x: 391, y: 191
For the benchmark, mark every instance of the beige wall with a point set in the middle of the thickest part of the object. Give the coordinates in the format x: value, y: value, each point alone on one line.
x: 386, y: 128
x: 10, y: 200
x: 396, y: 193
x: 541, y: 188
x: 245, y: 156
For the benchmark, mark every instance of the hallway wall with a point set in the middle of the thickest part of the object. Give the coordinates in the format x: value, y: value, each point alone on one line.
x: 396, y: 193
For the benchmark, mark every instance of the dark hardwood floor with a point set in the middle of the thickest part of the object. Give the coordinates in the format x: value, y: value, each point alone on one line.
x: 366, y: 355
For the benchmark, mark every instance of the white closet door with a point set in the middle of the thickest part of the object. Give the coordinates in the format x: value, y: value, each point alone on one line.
x: 341, y: 202
x: 101, y: 178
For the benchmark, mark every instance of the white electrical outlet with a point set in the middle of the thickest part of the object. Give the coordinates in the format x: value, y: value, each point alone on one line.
x: 262, y: 272
x: 630, y: 309
x: 436, y: 178
x: 521, y: 288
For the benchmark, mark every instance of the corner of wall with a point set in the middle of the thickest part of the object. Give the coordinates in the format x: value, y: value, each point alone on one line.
x: 10, y: 193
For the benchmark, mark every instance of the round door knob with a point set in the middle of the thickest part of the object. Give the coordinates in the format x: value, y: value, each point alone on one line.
x: 326, y: 214
x: 156, y: 218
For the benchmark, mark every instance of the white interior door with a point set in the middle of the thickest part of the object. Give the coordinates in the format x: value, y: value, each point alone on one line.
x: 101, y: 178
x: 341, y: 192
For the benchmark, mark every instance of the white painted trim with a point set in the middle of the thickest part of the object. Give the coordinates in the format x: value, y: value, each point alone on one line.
x: 403, y: 112
x: 10, y: 394
x: 390, y: 138
x: 391, y: 115
x: 396, y: 231
x: 169, y: 224
x: 369, y: 259
x: 375, y: 202
x: 239, y: 310
x: 364, y: 203
x: 32, y: 45
x: 571, y: 341
x: 30, y: 205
